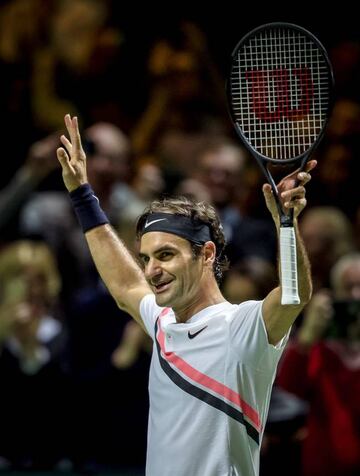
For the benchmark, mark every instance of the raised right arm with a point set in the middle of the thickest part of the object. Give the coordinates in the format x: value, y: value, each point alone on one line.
x: 118, y: 269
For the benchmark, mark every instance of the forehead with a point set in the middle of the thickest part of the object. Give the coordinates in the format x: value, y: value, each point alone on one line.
x: 153, y: 240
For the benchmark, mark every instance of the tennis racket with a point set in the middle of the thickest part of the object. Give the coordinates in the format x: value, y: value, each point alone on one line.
x: 279, y: 96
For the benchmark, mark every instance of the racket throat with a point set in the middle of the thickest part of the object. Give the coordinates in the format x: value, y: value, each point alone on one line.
x: 286, y: 221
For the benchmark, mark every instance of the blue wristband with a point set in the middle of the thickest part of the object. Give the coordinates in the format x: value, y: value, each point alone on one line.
x: 87, y: 208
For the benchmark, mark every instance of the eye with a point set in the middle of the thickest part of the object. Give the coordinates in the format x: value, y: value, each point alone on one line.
x: 164, y: 255
x: 144, y: 260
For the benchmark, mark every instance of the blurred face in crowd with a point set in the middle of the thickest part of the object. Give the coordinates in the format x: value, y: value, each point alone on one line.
x: 108, y: 154
x: 327, y: 234
x: 316, y: 236
x: 28, y: 284
x: 176, y: 66
x: 239, y: 288
x: 28, y: 273
x: 149, y: 181
x: 220, y: 171
x: 349, y: 285
x: 75, y: 30
x: 347, y: 288
x: 344, y: 121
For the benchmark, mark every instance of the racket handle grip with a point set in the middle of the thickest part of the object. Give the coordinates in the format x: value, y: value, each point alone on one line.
x: 288, y: 263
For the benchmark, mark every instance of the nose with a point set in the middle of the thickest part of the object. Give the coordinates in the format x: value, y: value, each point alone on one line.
x: 152, y: 269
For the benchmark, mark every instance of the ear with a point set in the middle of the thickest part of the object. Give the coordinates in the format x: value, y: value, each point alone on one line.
x: 209, y: 252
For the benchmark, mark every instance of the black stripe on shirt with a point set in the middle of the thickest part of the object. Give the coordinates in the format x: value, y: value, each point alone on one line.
x: 203, y: 395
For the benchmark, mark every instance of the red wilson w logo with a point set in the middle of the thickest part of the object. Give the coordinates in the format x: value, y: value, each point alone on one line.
x: 280, y: 93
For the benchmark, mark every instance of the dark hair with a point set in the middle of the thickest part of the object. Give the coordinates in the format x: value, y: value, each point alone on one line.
x: 198, y: 210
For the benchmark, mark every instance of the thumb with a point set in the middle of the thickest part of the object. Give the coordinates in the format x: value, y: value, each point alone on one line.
x: 268, y: 193
x: 270, y: 200
x: 266, y: 188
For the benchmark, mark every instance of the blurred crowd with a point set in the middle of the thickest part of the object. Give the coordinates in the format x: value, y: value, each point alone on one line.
x: 73, y: 367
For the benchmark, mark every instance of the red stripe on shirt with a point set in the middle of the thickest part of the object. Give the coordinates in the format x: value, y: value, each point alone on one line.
x: 208, y: 382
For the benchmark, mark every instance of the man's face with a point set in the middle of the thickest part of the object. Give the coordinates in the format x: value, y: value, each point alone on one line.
x: 350, y: 284
x: 317, y: 238
x: 108, y: 161
x: 171, y: 269
x: 220, y: 172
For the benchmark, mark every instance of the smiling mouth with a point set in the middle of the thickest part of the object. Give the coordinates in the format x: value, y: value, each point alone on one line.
x: 161, y: 287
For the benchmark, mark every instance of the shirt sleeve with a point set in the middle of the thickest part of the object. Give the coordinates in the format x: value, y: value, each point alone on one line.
x: 149, y: 311
x: 249, y: 340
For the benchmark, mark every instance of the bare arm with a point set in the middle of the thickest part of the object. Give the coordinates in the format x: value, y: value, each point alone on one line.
x: 279, y: 318
x: 118, y: 269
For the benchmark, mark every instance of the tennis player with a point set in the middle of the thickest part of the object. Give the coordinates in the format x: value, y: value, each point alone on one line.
x: 213, y: 362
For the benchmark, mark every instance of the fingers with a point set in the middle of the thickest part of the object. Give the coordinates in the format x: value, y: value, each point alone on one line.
x: 63, y: 158
x: 66, y: 143
x: 310, y: 165
x: 295, y: 197
x: 293, y: 193
x: 72, y: 126
x: 77, y: 138
x: 301, y: 176
x: 304, y: 176
x: 298, y: 205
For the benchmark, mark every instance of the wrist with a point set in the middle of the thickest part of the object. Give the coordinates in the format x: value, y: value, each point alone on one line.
x: 72, y: 187
x: 87, y: 207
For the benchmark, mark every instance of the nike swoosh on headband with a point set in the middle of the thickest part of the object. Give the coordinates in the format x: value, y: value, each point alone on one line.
x: 148, y: 223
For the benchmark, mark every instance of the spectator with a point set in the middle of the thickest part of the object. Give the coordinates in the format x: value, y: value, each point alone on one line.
x: 34, y: 383
x: 221, y: 168
x: 327, y: 233
x: 322, y: 367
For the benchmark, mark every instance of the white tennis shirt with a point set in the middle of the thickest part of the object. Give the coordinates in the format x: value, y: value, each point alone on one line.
x: 210, y: 384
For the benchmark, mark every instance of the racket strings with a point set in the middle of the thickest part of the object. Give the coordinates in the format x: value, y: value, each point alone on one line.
x: 280, y: 92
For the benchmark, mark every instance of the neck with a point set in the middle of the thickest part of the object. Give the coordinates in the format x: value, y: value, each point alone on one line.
x: 207, y: 296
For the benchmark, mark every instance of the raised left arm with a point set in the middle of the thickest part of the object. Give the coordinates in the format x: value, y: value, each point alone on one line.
x: 278, y: 318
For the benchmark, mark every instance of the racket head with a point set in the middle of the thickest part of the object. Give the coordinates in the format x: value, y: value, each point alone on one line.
x: 280, y: 92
